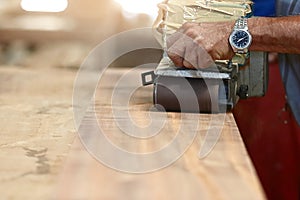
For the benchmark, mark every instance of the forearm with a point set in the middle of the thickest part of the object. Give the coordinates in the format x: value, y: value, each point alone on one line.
x: 280, y: 34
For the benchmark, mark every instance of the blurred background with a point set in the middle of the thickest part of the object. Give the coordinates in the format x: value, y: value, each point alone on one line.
x: 32, y: 31
x: 42, y: 45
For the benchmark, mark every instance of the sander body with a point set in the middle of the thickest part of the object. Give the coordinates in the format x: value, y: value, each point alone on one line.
x: 212, y: 90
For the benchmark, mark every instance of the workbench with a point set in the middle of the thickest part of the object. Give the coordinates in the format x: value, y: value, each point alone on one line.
x: 42, y: 156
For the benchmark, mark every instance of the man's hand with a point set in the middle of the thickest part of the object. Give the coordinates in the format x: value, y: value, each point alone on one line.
x: 197, y: 45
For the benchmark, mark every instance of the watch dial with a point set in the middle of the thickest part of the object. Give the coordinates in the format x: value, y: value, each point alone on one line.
x: 241, y: 39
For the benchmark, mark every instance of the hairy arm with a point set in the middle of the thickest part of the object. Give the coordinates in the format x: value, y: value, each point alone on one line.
x: 278, y: 34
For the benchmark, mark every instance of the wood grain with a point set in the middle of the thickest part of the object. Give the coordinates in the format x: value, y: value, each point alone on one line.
x: 225, y: 173
x: 40, y: 160
x: 36, y: 130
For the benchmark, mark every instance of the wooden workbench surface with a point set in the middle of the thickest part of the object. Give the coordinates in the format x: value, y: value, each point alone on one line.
x: 41, y: 160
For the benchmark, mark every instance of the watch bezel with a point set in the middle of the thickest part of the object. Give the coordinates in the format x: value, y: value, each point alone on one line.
x: 234, y: 46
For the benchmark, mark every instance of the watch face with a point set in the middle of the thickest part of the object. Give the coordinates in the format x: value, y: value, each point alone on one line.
x: 240, y: 39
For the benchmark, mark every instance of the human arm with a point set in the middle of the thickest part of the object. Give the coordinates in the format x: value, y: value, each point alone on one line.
x: 278, y: 34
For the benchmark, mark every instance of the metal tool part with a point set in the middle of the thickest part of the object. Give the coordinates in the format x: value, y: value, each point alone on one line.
x: 216, y: 89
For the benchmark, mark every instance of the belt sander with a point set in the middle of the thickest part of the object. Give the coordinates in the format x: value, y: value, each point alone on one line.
x: 214, y: 89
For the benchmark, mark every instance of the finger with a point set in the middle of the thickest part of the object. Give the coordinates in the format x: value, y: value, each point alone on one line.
x: 204, y: 59
x: 173, y: 38
x: 180, y: 33
x: 177, y: 51
x: 177, y: 60
x: 190, y: 56
x: 188, y: 65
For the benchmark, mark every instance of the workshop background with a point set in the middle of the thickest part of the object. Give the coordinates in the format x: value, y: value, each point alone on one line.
x: 66, y: 30
x: 42, y: 45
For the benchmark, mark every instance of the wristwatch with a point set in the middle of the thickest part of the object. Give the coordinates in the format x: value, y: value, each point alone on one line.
x: 240, y: 38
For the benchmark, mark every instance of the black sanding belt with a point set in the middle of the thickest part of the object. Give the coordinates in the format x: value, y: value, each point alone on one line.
x: 195, y: 95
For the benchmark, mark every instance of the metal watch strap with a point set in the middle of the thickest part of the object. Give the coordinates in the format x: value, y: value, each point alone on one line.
x: 241, y: 23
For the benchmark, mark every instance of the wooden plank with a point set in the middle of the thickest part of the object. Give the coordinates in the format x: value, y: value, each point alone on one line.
x: 226, y: 173
x: 36, y: 131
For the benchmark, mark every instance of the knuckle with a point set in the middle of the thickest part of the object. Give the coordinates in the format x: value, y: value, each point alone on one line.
x: 188, y: 25
x: 190, y: 32
x: 175, y: 58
